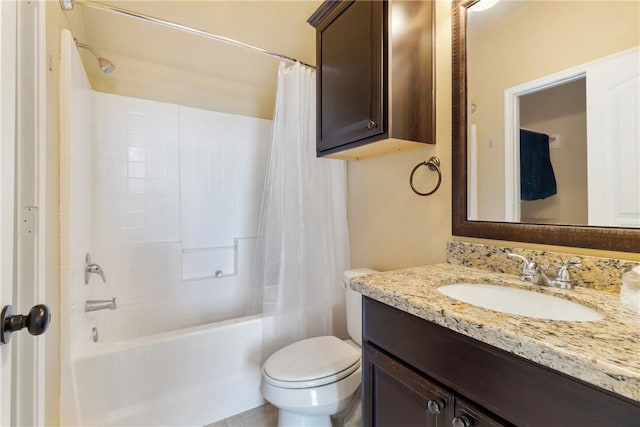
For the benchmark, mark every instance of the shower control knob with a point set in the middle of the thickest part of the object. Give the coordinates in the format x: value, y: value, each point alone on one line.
x: 36, y: 322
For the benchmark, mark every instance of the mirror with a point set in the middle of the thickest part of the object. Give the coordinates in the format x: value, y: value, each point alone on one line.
x: 544, y: 150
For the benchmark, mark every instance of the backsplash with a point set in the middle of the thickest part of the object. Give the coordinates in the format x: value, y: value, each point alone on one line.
x: 595, y: 272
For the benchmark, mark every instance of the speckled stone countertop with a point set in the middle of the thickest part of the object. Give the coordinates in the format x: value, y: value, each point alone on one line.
x: 605, y: 353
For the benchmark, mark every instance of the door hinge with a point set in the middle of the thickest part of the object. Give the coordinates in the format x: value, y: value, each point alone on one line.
x: 29, y: 220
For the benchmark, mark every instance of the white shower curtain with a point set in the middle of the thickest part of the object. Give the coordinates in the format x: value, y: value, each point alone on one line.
x: 303, y: 244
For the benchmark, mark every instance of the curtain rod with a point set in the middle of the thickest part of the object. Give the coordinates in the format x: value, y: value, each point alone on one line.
x: 68, y: 5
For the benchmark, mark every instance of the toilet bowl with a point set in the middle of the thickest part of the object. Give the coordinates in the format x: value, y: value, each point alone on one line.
x: 310, y: 380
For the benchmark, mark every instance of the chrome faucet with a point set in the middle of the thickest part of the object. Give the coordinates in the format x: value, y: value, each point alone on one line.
x: 533, y: 273
x: 100, y: 304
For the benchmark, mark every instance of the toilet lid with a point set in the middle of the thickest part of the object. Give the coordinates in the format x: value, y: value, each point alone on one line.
x: 311, y: 363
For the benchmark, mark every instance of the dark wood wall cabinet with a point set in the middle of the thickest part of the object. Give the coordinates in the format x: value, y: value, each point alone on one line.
x: 417, y: 373
x: 375, y: 74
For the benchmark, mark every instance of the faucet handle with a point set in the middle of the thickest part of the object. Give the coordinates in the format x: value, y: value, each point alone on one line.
x: 563, y: 273
x: 528, y: 267
x: 92, y: 268
x: 525, y: 260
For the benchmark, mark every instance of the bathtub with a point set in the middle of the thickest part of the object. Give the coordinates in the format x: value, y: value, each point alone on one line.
x: 187, y: 377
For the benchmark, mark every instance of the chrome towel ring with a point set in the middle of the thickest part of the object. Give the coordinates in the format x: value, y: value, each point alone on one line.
x: 433, y: 164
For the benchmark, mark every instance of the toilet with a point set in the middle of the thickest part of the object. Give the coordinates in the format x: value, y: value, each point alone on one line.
x: 310, y: 380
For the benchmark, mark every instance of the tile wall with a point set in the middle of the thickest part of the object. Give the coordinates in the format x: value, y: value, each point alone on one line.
x: 163, y: 197
x: 176, y: 199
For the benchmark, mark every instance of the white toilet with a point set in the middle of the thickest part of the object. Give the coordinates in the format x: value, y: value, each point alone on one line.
x: 310, y: 380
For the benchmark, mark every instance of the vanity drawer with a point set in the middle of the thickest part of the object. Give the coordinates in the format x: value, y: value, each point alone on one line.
x: 521, y: 392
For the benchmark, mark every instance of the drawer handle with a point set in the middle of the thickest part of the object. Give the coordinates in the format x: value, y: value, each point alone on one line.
x: 460, y: 422
x: 435, y: 406
x: 372, y: 124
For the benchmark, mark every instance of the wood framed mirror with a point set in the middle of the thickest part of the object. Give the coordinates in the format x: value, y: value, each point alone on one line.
x: 614, y: 238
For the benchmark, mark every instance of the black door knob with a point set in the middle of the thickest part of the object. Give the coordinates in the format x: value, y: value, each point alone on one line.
x: 36, y: 322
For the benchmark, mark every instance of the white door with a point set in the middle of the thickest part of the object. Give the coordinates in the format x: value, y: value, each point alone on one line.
x: 21, y: 367
x: 613, y: 138
x: 7, y: 181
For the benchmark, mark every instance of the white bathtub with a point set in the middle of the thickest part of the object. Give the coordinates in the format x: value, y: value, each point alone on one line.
x: 188, y: 377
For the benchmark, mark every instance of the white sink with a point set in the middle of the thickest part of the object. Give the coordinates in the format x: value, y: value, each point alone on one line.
x: 520, y: 302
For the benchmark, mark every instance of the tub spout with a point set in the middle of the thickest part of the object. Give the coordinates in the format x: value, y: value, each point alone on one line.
x: 100, y: 304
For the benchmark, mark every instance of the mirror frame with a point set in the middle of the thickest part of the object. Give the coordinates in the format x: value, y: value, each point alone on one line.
x: 606, y: 238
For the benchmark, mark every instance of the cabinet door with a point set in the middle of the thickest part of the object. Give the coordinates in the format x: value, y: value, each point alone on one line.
x: 396, y: 396
x: 350, y: 74
x: 468, y: 415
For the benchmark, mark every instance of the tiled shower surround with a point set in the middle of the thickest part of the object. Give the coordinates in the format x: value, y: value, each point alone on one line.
x: 164, y: 197
x: 172, y: 174
x: 176, y: 200
x: 595, y: 272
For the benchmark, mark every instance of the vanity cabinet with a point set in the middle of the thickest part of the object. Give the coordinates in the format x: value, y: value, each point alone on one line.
x: 398, y: 396
x: 409, y: 362
x: 375, y: 91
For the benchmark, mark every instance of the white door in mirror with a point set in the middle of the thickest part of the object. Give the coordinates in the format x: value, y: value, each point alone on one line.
x: 520, y: 302
x: 613, y: 132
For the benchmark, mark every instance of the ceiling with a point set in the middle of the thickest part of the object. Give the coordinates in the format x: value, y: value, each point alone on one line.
x: 164, y: 64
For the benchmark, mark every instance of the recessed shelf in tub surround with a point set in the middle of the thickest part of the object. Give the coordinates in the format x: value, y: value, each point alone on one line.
x: 605, y: 353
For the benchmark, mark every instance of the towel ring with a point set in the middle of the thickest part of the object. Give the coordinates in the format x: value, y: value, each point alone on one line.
x: 433, y: 164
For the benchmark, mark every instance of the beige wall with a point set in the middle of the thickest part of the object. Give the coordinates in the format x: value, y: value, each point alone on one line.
x: 147, y: 80
x: 162, y: 64
x: 543, y: 37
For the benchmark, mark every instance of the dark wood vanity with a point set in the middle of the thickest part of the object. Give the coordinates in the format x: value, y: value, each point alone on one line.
x: 417, y: 373
x: 375, y: 73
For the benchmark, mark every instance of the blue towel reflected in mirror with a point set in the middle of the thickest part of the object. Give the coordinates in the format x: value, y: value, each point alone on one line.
x: 537, y: 180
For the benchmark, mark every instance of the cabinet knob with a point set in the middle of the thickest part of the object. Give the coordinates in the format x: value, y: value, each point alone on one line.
x: 460, y: 422
x: 372, y: 124
x: 435, y: 406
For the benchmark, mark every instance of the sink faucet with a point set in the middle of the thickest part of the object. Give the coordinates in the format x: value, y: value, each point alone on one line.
x: 533, y: 273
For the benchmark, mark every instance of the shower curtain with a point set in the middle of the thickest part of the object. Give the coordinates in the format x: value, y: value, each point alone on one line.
x: 303, y: 244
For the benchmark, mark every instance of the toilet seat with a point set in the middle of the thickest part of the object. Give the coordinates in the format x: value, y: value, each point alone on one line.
x: 311, y: 363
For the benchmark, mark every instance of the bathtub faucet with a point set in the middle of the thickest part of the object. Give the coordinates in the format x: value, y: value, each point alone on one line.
x: 100, y: 304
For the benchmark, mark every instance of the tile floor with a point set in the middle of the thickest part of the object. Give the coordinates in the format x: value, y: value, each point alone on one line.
x: 267, y: 416
x: 262, y: 416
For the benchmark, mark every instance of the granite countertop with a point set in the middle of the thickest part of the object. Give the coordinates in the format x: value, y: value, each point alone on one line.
x: 605, y: 353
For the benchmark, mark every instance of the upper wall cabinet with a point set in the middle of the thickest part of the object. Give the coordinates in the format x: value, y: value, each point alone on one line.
x: 375, y: 77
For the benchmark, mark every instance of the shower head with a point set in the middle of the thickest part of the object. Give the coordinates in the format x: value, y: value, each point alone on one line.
x: 106, y: 66
x: 66, y: 4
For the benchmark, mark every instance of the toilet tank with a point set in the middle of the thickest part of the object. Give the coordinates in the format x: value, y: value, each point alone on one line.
x: 354, y: 304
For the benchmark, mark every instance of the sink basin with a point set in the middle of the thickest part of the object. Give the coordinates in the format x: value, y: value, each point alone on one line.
x: 520, y: 302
